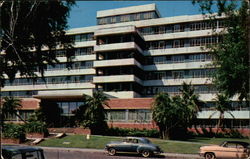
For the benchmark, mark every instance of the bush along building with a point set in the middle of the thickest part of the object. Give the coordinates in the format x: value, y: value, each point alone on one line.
x: 131, y: 55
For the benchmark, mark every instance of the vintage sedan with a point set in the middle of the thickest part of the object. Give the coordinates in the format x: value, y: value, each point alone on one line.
x: 228, y: 149
x: 133, y: 144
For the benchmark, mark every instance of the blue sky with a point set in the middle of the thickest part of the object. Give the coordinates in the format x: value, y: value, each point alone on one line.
x: 84, y: 13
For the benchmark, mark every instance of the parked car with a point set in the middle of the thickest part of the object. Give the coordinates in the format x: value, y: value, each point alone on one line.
x: 228, y: 149
x: 22, y: 152
x: 137, y: 145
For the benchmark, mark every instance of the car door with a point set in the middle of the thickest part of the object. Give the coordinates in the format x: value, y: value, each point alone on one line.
x: 229, y: 151
x: 134, y: 145
x: 125, y: 146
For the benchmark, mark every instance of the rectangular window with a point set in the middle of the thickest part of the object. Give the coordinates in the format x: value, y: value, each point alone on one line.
x: 103, y: 21
x: 176, y: 44
x: 162, y: 30
x: 161, y: 45
x: 117, y: 115
x: 136, y: 16
x: 198, y: 26
x: 113, y: 19
x: 192, y: 26
x: 148, y: 15
x: 125, y: 18
x: 177, y: 28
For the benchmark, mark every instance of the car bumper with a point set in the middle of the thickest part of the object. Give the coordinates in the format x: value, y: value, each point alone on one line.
x: 201, y: 154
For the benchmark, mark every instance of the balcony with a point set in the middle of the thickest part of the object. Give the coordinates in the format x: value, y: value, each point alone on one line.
x: 178, y: 66
x: 181, y: 35
x: 117, y: 47
x: 69, y: 94
x: 79, y: 58
x: 84, y: 85
x: 116, y: 78
x: 174, y: 51
x: 116, y: 30
x: 118, y: 62
x: 172, y: 82
x: 122, y: 94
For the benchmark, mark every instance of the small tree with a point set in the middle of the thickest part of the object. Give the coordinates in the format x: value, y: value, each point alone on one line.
x: 92, y: 113
x: 191, y: 101
x: 222, y: 106
x: 10, y: 106
x: 174, y: 115
x: 162, y: 113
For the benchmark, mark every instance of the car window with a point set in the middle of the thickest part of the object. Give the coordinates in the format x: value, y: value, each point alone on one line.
x: 231, y: 145
x: 240, y: 146
x: 135, y: 141
x: 128, y: 140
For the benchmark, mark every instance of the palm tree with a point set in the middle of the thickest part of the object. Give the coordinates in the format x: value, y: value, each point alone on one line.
x: 191, y: 101
x: 10, y: 106
x: 92, y: 113
x: 222, y: 105
x: 161, y: 114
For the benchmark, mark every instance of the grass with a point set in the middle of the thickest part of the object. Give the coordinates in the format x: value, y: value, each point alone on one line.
x: 190, y: 146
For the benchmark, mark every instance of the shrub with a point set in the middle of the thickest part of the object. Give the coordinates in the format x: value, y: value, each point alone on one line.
x: 36, y: 127
x: 13, y: 131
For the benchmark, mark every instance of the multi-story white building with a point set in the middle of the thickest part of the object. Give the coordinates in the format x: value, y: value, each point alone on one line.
x: 132, y: 54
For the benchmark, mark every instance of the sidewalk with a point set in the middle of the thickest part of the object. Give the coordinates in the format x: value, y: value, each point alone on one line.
x: 173, y: 155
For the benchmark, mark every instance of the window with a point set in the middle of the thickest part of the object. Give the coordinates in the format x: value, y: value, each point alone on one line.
x: 178, y: 74
x: 113, y: 19
x: 140, y: 115
x: 161, y: 29
x: 136, y: 16
x: 117, y: 115
x: 198, y: 26
x: 161, y: 45
x: 148, y: 15
x: 125, y: 18
x: 177, y: 28
x: 103, y: 21
x: 176, y: 44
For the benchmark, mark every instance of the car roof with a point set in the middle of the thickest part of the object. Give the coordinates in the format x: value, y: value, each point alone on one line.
x: 20, y: 149
x: 238, y: 142
x: 138, y: 138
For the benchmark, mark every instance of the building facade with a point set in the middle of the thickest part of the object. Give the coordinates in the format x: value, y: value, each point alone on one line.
x: 131, y: 55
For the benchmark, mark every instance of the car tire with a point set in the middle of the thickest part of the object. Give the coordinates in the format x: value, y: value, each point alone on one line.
x: 146, y: 153
x: 111, y: 151
x: 210, y: 156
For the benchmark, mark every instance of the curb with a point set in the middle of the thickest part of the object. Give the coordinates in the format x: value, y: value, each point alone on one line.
x: 173, y: 155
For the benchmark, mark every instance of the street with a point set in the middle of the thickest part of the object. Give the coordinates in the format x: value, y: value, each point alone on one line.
x: 96, y: 154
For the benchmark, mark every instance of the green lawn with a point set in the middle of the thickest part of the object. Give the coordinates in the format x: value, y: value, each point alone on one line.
x: 191, y: 146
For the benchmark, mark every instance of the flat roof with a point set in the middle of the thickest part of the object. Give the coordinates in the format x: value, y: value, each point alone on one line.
x: 127, y: 10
